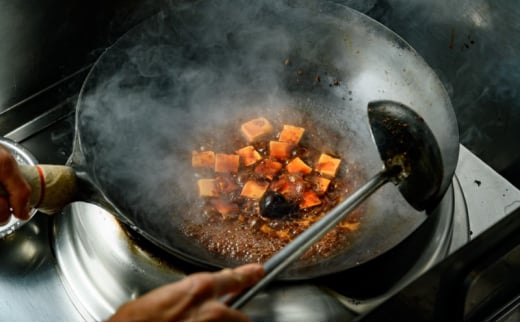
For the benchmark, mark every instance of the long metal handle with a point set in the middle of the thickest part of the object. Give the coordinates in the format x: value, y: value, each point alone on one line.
x: 296, y: 248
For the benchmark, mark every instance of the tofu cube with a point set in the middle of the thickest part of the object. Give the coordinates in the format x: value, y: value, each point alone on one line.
x: 298, y: 166
x: 254, y: 190
x: 249, y: 155
x: 280, y: 150
x: 225, y: 163
x: 255, y: 129
x: 327, y: 165
x: 291, y: 134
x: 268, y: 168
x: 203, y: 159
x: 207, y: 187
x: 310, y: 199
x: 320, y: 184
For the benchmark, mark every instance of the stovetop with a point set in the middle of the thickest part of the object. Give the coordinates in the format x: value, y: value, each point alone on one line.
x: 39, y: 282
x: 462, y: 41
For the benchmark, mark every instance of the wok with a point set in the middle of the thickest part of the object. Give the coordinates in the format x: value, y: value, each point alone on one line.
x: 200, y: 66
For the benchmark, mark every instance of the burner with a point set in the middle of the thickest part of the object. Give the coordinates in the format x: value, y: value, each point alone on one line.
x: 103, y: 266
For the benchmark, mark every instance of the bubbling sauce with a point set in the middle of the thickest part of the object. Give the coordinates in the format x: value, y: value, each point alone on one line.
x: 246, y: 211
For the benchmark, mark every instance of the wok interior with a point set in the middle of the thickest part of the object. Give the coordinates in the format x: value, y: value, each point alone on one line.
x: 200, y: 68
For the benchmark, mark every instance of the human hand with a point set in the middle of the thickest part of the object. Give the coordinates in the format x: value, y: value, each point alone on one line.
x: 17, y: 189
x: 197, y: 297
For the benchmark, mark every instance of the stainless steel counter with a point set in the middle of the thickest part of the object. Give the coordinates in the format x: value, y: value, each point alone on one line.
x: 34, y: 288
x: 30, y: 288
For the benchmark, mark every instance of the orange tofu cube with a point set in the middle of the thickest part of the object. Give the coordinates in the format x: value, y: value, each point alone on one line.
x: 327, y: 165
x: 207, y: 187
x: 291, y: 134
x: 224, y: 207
x: 226, y: 163
x: 298, y: 166
x: 268, y: 168
x: 202, y: 159
x: 310, y: 199
x: 249, y: 155
x: 255, y: 129
x: 280, y: 150
x: 254, y: 190
x: 320, y: 184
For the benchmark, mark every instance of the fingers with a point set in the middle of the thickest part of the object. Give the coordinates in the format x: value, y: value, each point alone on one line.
x: 194, y: 298
x: 18, y: 190
x: 5, y: 213
x: 207, y: 290
x: 19, y: 194
x: 226, y: 281
x: 234, y: 280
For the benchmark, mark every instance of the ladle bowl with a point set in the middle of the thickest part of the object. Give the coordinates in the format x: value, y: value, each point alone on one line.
x: 404, y: 139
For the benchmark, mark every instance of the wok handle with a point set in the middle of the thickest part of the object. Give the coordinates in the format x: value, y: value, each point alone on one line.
x: 52, y: 186
x: 296, y: 248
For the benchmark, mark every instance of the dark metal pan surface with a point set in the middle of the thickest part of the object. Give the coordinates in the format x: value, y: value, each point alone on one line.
x: 211, y: 65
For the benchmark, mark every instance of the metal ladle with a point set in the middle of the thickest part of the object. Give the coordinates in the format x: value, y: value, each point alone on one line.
x: 412, y: 160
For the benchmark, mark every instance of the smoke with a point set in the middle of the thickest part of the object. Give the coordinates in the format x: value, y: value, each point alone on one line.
x: 201, y: 66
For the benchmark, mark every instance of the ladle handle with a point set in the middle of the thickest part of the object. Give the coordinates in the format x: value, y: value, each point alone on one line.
x: 296, y: 248
x: 52, y: 186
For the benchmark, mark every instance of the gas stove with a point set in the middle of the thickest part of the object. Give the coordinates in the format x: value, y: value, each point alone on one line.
x: 82, y: 264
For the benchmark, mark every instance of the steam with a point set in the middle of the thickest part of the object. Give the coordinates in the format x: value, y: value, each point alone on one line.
x: 198, y: 68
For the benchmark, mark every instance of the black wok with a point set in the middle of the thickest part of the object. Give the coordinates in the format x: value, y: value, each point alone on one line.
x: 199, y: 66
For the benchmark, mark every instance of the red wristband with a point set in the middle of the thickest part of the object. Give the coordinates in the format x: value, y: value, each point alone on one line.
x: 42, y: 186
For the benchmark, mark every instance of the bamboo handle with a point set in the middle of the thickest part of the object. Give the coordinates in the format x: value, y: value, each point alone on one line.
x: 53, y: 186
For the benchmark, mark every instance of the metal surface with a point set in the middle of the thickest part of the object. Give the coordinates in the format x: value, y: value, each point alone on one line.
x: 97, y: 278
x: 162, y: 103
x: 30, y: 287
x: 478, y: 282
x: 470, y: 44
x: 23, y: 157
x: 125, y: 271
x: 280, y: 301
x: 33, y: 288
x: 500, y: 199
x: 473, y: 48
